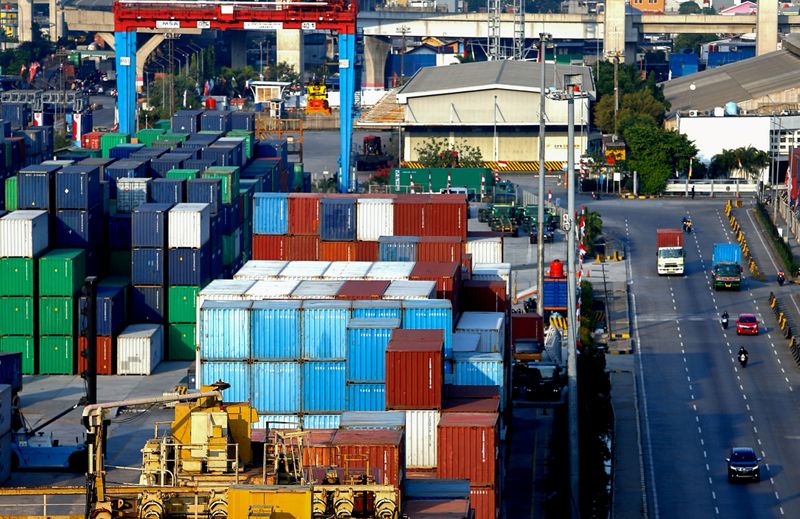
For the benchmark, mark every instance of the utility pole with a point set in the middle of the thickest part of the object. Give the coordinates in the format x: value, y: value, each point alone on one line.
x: 403, y: 30
x: 543, y: 39
x: 616, y: 91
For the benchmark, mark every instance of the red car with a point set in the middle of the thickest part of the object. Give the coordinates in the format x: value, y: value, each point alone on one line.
x: 747, y: 324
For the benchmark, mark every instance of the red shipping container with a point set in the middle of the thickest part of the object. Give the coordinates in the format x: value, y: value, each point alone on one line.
x: 383, y: 448
x: 318, y: 449
x: 337, y: 251
x: 446, y: 216
x: 366, y: 250
x: 105, y: 355
x: 483, y: 500
x: 411, y: 335
x: 302, y: 248
x: 527, y: 326
x: 304, y: 214
x: 446, y: 275
x: 362, y: 289
x: 415, y: 371
x: 439, y: 248
x: 468, y: 447
x: 484, y: 296
x: 471, y: 405
x: 437, y: 508
x: 471, y: 392
x: 409, y: 215
x: 91, y: 140
x: 269, y: 247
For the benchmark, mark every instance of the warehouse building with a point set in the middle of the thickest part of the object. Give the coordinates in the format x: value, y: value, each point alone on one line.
x: 493, y: 106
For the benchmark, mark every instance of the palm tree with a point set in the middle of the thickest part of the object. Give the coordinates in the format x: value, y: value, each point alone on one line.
x: 747, y: 160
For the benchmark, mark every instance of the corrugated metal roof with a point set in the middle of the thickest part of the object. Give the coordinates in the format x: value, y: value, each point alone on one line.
x: 386, y: 112
x: 738, y: 82
x: 464, y: 77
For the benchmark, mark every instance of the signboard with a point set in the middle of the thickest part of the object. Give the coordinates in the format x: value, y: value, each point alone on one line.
x: 125, y: 61
x: 617, y: 176
x: 168, y: 24
x: 203, y: 25
x: 263, y: 26
x: 615, y: 154
x: 344, y: 63
x: 308, y: 26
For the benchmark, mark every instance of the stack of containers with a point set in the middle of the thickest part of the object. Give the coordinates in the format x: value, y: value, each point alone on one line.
x: 111, y: 139
x: 140, y: 349
x: 61, y: 274
x: 487, y: 363
x: 414, y: 381
x: 189, y: 265
x: 149, y: 263
x: 111, y: 303
x: 23, y: 238
x: 367, y: 340
x: 229, y: 230
x: 79, y: 212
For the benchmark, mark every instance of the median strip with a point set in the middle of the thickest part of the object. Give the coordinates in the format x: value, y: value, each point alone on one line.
x: 737, y: 230
x: 785, y: 326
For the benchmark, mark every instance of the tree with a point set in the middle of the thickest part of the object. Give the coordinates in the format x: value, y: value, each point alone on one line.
x: 439, y: 153
x: 656, y: 154
x: 635, y: 107
x: 747, y: 159
x: 692, y: 42
x: 629, y: 80
x: 689, y: 8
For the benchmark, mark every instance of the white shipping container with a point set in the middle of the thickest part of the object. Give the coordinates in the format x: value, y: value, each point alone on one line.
x: 466, y: 342
x: 189, y: 225
x: 271, y: 289
x: 5, y: 408
x: 485, y: 250
x: 421, y: 438
x: 391, y: 270
x: 374, y: 218
x: 305, y: 270
x: 405, y: 289
x: 347, y: 270
x: 222, y: 290
x: 260, y: 269
x: 317, y: 289
x: 489, y: 325
x: 23, y: 234
x: 131, y: 193
x: 493, y: 272
x: 139, y: 349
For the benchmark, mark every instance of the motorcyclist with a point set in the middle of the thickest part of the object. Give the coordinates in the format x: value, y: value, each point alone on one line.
x: 781, y: 277
x: 724, y: 317
x: 742, y: 355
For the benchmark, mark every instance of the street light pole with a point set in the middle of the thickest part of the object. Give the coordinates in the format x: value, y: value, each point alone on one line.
x: 543, y: 38
x: 494, y: 140
x: 403, y: 30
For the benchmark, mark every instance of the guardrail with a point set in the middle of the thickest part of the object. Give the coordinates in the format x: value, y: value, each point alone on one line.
x: 737, y: 229
x: 711, y: 187
x: 786, y: 328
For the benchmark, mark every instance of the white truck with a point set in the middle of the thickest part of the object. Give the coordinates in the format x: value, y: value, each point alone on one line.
x: 670, y: 251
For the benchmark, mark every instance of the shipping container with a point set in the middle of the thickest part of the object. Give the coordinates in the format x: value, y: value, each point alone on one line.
x: 302, y: 248
x: 278, y: 421
x: 56, y: 316
x: 323, y: 386
x: 468, y: 447
x: 484, y: 501
x: 225, y: 330
x: 229, y: 178
x: 270, y: 213
x: 480, y: 369
x: 25, y: 346
x: 149, y: 225
x: 435, y: 488
x: 167, y: 191
x: 276, y: 387
x: 275, y: 326
x: 205, y: 191
x: 181, y: 341
x: 390, y: 270
x: 367, y: 340
x: 222, y: 290
x: 186, y: 121
x: 148, y: 266
x: 119, y: 231
x: 325, y: 330
x: 398, y: 248
x: 260, y: 270
x: 466, y: 342
x: 304, y: 214
x: 375, y: 218
x: 421, y: 438
x: 489, y: 325
x: 148, y: 304
x: 446, y: 215
x: 409, y: 214
x: 23, y: 234
x: 485, y: 296
x: 431, y: 314
x: 347, y: 270
x: 395, y: 420
x: 131, y: 193
x: 472, y: 405
x: 366, y: 397
x: 401, y: 289
x: 485, y: 249
x: 304, y: 270
x: 528, y: 326
x: 140, y: 349
x: 359, y: 289
x: 269, y: 247
x: 272, y: 289
x: 377, y: 309
x: 415, y: 369
x: 78, y: 187
x: 124, y: 150
x: 181, y: 304
x: 317, y: 289
x: 105, y: 355
x: 440, y: 249
x: 337, y: 250
x: 77, y: 228
x: 17, y: 316
x: 366, y: 251
x: 337, y: 221
x: 446, y: 275
x: 235, y: 373
x: 320, y: 421
x: 36, y: 187
x: 384, y: 450
x: 189, y: 267
x: 493, y: 272
x: 10, y: 195
x: 318, y: 449
x: 56, y: 355
x: 555, y: 295
x: 188, y: 226
x: 18, y: 277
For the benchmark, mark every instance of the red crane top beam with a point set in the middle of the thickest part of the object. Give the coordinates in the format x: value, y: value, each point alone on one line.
x: 335, y: 15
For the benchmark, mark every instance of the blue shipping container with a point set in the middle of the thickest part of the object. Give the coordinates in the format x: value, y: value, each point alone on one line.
x: 337, y: 219
x: 726, y: 253
x: 276, y: 330
x: 215, y: 121
x: 148, y: 266
x: 77, y: 228
x: 321, y: 421
x: 480, y: 369
x: 225, y: 330
x: 148, y: 304
x: 323, y: 387
x: 325, y: 329
x: 555, y: 294
x: 35, y: 187
x: 367, y: 340
x: 366, y: 397
x: 124, y: 169
x: 119, y: 231
x: 111, y: 311
x: 78, y: 187
x: 189, y: 267
x: 186, y: 121
x: 11, y: 370
x: 270, y: 213
x: 205, y: 191
x: 199, y: 164
x: 276, y: 387
x: 431, y: 314
x: 243, y: 120
x: 167, y: 191
x: 377, y: 309
x: 149, y: 225
x: 397, y: 248
x: 124, y: 150
x: 236, y: 373
x: 221, y: 155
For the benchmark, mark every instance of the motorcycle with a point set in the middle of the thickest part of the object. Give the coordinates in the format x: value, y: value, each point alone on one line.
x: 743, y: 359
x: 724, y: 322
x: 595, y: 195
x: 781, y: 279
x: 687, y: 226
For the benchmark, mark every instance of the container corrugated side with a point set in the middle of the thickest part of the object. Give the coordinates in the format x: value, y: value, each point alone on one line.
x: 366, y: 397
x: 140, y: 349
x: 415, y: 371
x: 373, y: 309
x: 235, y: 373
x: 23, y: 234
x: 323, y: 387
x: 480, y: 369
x: 421, y: 438
x: 225, y: 330
x: 277, y: 421
x: 493, y: 272
x: 276, y: 387
x: 489, y: 325
x: 320, y: 421
x: 374, y: 218
x: 325, y: 329
x: 367, y: 340
x: 304, y: 214
x: 468, y: 447
x: 485, y: 250
x: 384, y: 450
x: 189, y: 225
x: 270, y: 213
x: 431, y: 314
x: 222, y: 290
x: 373, y: 420
x: 276, y: 330
x: 483, y: 500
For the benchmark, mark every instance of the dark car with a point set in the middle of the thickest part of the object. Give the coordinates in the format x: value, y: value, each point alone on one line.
x: 743, y: 464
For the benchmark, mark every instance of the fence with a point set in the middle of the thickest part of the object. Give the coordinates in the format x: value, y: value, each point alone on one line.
x: 712, y: 188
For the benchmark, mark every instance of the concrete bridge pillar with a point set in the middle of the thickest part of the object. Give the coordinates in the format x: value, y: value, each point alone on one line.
x: 766, y: 27
x: 142, y: 53
x: 56, y: 20
x: 376, y: 50
x: 290, y: 48
x: 25, y: 20
x: 238, y: 40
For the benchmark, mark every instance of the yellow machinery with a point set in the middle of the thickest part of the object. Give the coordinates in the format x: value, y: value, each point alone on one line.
x: 317, y: 99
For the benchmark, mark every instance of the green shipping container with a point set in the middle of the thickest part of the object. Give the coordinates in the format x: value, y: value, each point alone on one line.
x: 120, y: 263
x: 249, y: 140
x: 172, y: 137
x: 230, y: 180
x: 62, y: 272
x: 24, y: 345
x: 111, y: 139
x: 181, y: 342
x: 435, y: 179
x: 229, y: 242
x: 17, y: 277
x: 57, y: 316
x: 17, y: 316
x: 11, y: 194
x: 183, y: 173
x: 163, y: 124
x: 9, y: 155
x: 148, y: 135
x: 56, y: 355
x: 181, y: 304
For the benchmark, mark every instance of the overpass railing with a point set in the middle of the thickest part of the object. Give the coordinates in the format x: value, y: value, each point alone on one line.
x: 711, y: 187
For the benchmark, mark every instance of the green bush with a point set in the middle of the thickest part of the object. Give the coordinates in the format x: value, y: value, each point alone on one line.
x: 781, y: 247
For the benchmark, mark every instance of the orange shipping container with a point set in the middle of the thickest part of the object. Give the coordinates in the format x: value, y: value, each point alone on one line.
x: 409, y: 215
x: 304, y: 214
x: 318, y: 449
x: 337, y: 251
x: 366, y: 251
x: 447, y: 277
x: 269, y: 247
x: 302, y: 248
x: 446, y: 216
x: 484, y: 296
x: 484, y: 501
x: 468, y: 447
x: 384, y: 449
x: 105, y: 353
x: 415, y: 371
x: 362, y: 289
x: 527, y: 326
x: 439, y: 248
x: 91, y: 140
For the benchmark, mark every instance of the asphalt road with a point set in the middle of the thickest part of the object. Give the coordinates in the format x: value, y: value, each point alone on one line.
x: 695, y: 401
